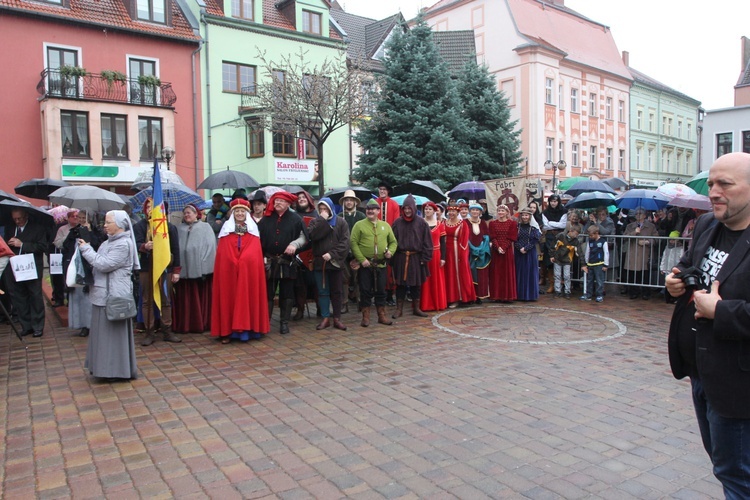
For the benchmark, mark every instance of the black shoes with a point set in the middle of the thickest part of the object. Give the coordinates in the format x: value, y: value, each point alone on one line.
x: 84, y: 332
x: 38, y: 334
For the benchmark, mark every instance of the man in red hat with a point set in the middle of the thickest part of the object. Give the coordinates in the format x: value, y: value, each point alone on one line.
x: 282, y: 235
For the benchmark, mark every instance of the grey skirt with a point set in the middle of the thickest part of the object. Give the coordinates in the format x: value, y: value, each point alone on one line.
x: 111, y: 347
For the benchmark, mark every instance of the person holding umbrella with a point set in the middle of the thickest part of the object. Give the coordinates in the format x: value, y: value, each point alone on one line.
x: 27, y: 237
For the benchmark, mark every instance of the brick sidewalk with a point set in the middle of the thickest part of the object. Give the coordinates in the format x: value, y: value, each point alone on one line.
x: 497, y: 401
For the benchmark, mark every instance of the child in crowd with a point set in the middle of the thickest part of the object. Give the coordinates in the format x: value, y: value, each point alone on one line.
x: 597, y: 257
x: 670, y: 258
x: 566, y: 249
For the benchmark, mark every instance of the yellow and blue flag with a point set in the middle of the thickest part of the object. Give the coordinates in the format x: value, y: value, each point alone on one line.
x: 157, y: 225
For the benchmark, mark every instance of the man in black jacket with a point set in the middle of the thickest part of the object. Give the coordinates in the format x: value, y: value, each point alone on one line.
x: 27, y: 237
x: 709, y: 336
x: 282, y: 235
x: 171, y: 275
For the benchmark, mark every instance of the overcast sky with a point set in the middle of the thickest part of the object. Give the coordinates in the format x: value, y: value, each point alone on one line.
x: 693, y: 47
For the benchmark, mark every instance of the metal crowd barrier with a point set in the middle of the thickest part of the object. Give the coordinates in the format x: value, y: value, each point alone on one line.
x: 630, y: 263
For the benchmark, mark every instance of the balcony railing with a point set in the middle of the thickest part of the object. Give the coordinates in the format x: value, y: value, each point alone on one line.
x: 249, y: 97
x: 93, y: 87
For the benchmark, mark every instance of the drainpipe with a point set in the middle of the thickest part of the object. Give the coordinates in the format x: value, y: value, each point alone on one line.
x: 208, y: 96
x: 196, y: 128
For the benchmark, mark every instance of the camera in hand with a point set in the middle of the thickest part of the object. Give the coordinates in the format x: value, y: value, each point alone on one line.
x: 690, y: 276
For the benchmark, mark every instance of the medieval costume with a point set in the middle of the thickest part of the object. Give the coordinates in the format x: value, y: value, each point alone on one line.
x: 413, y: 254
x: 279, y: 229
x: 192, y: 301
x: 503, y: 233
x: 329, y: 236
x: 526, y: 261
x: 304, y: 287
x: 480, y: 254
x: 433, y: 289
x: 389, y: 212
x: 459, y: 285
x: 239, y: 288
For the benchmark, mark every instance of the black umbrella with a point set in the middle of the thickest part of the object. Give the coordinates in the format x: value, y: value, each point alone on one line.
x: 592, y: 199
x: 8, y: 196
x: 292, y: 188
x: 428, y: 189
x: 360, y: 192
x: 588, y: 187
x: 39, y: 189
x: 228, y: 179
x: 616, y: 183
x: 35, y: 213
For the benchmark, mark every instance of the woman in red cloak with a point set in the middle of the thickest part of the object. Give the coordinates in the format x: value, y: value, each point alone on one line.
x: 240, y: 307
x: 503, y: 233
x: 459, y: 284
x: 433, y: 289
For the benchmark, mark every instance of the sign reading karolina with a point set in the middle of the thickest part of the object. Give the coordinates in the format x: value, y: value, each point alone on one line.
x: 296, y: 170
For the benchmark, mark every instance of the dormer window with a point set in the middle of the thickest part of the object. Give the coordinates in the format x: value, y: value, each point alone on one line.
x: 152, y: 10
x: 311, y: 22
x: 243, y: 9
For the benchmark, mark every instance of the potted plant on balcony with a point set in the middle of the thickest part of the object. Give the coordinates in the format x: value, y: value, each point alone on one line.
x: 111, y: 76
x: 149, y: 81
x: 72, y: 71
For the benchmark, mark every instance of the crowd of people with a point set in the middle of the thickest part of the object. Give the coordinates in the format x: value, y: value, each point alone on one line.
x: 232, y: 265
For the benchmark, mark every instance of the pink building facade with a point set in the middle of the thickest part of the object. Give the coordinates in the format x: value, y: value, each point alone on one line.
x: 563, y: 77
x: 107, y: 125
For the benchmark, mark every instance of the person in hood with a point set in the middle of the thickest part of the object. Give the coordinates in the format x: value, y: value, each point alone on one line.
x: 413, y: 254
x: 304, y: 287
x: 329, y: 236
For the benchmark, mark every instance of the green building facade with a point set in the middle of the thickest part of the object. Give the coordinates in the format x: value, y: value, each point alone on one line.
x: 664, y: 133
x: 235, y: 33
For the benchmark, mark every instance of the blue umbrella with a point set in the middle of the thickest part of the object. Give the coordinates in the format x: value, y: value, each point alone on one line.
x: 177, y: 197
x: 420, y: 200
x: 648, y: 199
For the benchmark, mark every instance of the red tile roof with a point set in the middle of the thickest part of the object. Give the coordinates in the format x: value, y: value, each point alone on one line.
x: 109, y: 13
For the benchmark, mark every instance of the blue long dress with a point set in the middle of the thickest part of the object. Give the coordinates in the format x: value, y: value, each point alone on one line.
x: 527, y: 264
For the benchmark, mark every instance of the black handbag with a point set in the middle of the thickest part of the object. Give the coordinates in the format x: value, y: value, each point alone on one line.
x: 120, y: 308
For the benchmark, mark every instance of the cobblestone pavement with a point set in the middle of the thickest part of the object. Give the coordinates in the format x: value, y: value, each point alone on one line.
x: 552, y: 399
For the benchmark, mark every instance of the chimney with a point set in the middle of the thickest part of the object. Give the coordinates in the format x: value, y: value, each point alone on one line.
x: 626, y: 58
x: 745, y: 52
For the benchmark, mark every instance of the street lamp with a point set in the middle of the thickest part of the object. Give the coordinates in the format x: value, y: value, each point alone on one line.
x: 560, y: 165
x: 167, y: 154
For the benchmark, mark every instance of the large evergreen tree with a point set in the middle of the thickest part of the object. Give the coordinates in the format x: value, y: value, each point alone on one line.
x: 417, y: 131
x: 494, y: 143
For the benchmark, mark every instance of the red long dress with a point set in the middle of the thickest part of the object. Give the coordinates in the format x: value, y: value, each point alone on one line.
x: 482, y: 283
x: 503, y: 266
x: 459, y: 285
x: 433, y: 289
x: 240, y: 306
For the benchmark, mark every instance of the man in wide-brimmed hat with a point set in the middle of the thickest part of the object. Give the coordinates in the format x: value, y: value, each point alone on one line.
x: 350, y: 202
x: 258, y: 204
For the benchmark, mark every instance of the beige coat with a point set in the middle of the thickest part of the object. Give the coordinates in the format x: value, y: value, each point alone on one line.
x: 639, y: 249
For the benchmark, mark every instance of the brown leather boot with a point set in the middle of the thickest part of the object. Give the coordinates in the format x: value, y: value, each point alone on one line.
x: 399, y: 308
x: 416, y: 311
x: 365, y: 316
x: 169, y: 336
x: 338, y: 324
x: 382, y: 318
x: 323, y: 324
x: 148, y: 339
x: 550, y: 280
